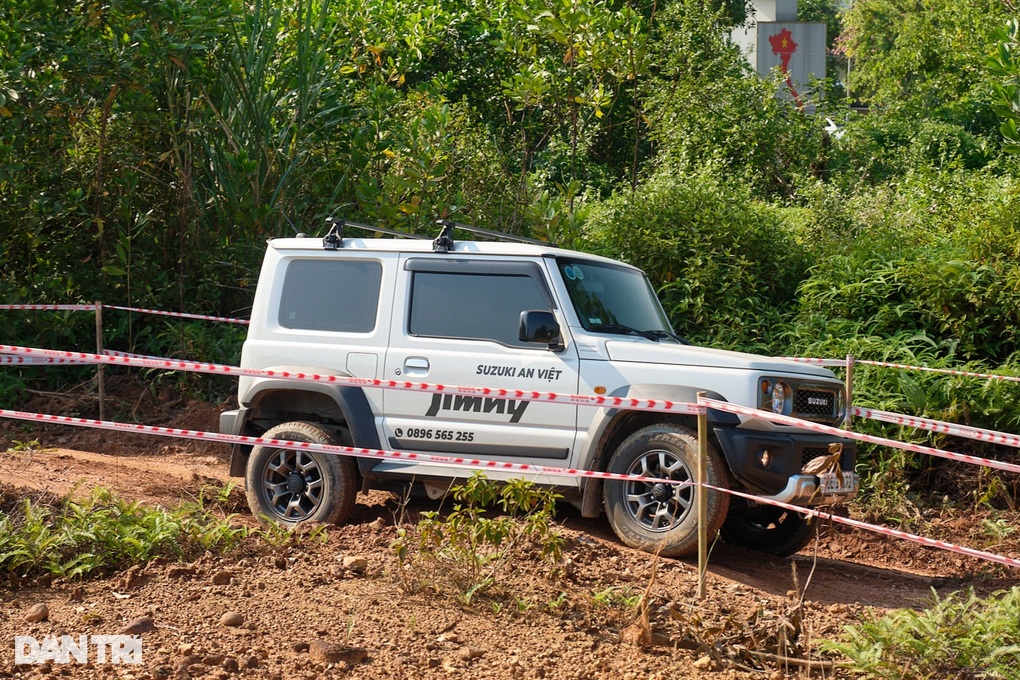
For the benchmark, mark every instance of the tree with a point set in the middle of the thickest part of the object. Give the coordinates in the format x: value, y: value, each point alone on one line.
x: 925, y: 55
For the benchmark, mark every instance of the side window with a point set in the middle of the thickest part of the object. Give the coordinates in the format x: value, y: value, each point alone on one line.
x: 331, y: 295
x: 472, y: 306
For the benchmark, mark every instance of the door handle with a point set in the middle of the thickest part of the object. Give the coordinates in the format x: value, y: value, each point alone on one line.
x: 416, y: 366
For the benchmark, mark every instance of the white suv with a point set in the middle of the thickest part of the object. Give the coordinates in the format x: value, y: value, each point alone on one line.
x: 516, y: 315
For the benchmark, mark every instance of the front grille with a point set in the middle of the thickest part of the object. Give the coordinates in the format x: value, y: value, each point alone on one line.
x: 814, y: 404
x: 808, y: 455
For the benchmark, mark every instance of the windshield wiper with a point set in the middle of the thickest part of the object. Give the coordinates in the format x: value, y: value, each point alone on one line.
x: 667, y: 334
x: 620, y: 328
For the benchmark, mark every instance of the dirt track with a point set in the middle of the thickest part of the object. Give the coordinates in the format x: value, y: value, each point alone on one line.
x: 551, y: 628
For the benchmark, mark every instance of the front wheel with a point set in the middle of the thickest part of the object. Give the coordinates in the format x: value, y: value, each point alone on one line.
x: 663, y: 516
x: 767, y: 528
x: 291, y: 486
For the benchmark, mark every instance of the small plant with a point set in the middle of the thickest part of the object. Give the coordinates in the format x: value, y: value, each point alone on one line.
x: 523, y: 604
x: 468, y: 549
x: 958, y: 636
x: 557, y: 602
x: 279, y: 536
x: 18, y: 445
x: 998, y: 529
x: 614, y: 596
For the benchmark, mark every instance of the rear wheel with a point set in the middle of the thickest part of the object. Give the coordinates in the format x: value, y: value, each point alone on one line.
x: 766, y: 528
x: 291, y: 486
x: 660, y: 516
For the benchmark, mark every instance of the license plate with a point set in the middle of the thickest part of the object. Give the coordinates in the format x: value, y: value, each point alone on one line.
x: 830, y: 483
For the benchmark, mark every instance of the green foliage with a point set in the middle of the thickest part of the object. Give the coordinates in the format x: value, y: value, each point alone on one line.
x: 932, y: 254
x: 279, y: 97
x: 924, y: 55
x: 883, y: 147
x: 103, y: 532
x: 1004, y: 64
x: 706, y: 109
x: 724, y: 265
x: 960, y: 635
x: 468, y: 550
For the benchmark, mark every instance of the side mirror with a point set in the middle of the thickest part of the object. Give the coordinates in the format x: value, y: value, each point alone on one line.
x: 541, y: 326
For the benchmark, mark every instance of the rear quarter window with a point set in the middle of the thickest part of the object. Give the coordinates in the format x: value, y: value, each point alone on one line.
x: 331, y: 295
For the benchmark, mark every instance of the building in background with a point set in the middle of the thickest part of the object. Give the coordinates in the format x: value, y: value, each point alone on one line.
x: 774, y: 40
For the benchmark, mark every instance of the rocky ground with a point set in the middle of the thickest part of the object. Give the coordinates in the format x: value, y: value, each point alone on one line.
x: 335, y: 605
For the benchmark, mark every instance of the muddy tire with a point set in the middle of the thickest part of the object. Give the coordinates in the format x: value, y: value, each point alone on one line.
x: 292, y: 486
x: 659, y: 516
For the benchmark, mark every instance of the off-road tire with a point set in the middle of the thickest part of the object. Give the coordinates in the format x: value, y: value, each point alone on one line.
x: 293, y: 486
x: 766, y: 528
x: 663, y: 517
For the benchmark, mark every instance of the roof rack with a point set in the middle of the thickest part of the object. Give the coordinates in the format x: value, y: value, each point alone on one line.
x: 441, y: 244
x: 334, y: 238
x: 498, y: 235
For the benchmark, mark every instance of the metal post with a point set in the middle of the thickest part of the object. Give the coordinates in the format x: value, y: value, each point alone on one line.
x: 702, y: 495
x: 100, y: 377
x: 849, y: 391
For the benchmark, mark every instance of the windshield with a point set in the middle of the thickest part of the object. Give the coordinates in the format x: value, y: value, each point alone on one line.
x: 613, y: 299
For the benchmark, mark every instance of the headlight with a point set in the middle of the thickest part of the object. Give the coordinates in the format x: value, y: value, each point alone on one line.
x: 778, y: 398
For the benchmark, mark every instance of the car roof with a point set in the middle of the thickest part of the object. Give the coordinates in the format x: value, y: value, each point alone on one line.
x: 311, y: 244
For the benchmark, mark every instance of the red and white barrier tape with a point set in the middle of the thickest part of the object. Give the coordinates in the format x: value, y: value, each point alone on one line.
x: 895, y: 533
x: 948, y: 371
x: 184, y: 315
x: 907, y: 367
x: 550, y: 397
x: 820, y: 362
x: 358, y: 452
x: 654, y: 405
x: 940, y: 426
x: 116, y: 353
x: 92, y: 308
x: 480, y: 464
x: 29, y: 361
x: 818, y: 427
x: 51, y: 308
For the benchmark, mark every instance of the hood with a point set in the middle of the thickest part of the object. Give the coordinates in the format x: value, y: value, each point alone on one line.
x: 691, y: 355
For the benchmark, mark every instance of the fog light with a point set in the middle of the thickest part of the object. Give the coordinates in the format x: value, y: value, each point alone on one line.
x: 765, y: 458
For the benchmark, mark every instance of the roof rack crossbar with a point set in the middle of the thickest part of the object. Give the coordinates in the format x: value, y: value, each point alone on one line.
x: 498, y: 235
x: 334, y: 239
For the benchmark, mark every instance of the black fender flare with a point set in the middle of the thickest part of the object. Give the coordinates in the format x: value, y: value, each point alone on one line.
x: 350, y: 399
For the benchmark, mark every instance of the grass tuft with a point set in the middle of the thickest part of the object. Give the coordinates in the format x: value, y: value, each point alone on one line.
x: 79, y: 537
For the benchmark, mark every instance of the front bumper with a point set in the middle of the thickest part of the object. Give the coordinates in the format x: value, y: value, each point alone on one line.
x: 770, y: 464
x: 808, y: 490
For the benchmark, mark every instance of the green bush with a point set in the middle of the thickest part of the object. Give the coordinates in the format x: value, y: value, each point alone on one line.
x: 932, y: 254
x: 880, y: 147
x: 958, y: 636
x: 103, y: 532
